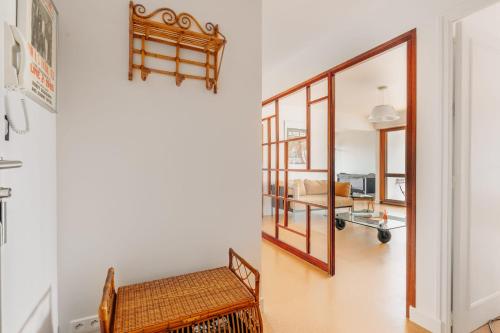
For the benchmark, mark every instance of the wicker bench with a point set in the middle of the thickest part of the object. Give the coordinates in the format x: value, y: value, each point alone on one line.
x: 224, y: 299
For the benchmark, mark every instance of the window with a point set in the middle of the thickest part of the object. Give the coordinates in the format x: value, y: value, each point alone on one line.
x: 393, y: 165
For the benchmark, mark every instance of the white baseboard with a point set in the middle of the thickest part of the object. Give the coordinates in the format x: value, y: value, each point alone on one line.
x: 429, y: 323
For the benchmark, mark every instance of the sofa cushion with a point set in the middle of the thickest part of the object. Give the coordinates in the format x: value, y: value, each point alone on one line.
x: 297, y: 186
x: 315, y: 187
x: 343, y: 189
x: 341, y: 201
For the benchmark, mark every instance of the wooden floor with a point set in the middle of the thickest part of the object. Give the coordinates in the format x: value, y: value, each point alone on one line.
x: 485, y: 329
x: 367, y: 294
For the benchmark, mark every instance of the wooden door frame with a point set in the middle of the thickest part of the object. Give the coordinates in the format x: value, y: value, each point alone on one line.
x: 410, y: 38
x: 383, y: 166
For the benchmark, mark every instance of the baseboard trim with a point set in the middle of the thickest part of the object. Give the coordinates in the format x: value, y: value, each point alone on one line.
x: 429, y: 323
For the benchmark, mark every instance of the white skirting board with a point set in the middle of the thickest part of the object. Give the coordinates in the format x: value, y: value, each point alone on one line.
x: 426, y: 321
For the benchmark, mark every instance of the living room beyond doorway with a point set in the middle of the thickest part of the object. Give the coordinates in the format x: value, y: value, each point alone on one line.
x: 339, y: 163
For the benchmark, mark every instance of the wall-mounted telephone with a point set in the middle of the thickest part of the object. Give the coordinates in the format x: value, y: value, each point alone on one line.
x: 16, y: 64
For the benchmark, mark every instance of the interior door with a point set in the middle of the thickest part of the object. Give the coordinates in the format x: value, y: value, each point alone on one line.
x: 476, y: 239
x: 297, y: 179
x: 28, y: 260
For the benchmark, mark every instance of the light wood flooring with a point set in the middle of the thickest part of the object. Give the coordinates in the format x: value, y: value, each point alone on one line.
x: 485, y: 329
x: 367, y: 294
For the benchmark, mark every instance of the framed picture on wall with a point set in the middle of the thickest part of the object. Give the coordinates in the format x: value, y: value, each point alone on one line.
x: 297, y: 153
x: 37, y: 22
x: 297, y: 150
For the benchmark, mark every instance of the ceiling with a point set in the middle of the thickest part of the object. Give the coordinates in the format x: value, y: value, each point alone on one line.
x: 290, y: 25
x: 356, y: 87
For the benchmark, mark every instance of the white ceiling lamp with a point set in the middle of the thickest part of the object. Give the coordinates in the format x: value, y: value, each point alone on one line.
x: 384, y: 112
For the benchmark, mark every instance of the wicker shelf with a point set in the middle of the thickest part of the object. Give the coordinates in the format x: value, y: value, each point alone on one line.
x: 185, y: 35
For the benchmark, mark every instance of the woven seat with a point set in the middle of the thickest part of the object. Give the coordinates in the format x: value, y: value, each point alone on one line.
x: 215, y: 300
x: 177, y: 300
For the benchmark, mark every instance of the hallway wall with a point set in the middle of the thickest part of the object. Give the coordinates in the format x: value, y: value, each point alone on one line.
x: 154, y: 179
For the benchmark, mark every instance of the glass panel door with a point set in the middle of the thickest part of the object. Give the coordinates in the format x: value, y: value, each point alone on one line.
x: 296, y: 179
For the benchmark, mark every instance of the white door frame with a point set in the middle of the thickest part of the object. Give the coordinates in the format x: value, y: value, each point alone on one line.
x: 459, y: 12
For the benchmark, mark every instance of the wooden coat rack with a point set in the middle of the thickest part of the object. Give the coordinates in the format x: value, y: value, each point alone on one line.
x: 181, y: 31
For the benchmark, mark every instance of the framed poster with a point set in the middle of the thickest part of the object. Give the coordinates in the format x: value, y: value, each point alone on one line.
x: 37, y: 21
x: 297, y: 150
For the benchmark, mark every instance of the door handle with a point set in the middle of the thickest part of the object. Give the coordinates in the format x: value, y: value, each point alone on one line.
x: 5, y: 164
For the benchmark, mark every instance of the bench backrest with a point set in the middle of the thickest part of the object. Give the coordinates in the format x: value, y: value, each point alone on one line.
x: 107, y: 307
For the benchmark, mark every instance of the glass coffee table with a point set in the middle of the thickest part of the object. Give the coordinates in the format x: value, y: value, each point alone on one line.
x: 370, y: 201
x: 371, y: 220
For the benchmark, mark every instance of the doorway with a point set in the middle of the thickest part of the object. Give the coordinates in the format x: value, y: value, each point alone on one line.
x: 397, y: 141
x: 280, y: 191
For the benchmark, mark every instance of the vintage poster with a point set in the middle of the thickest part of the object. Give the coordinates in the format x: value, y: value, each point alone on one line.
x: 37, y: 20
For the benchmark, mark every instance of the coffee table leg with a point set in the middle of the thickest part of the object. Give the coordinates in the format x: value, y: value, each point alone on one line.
x: 384, y: 235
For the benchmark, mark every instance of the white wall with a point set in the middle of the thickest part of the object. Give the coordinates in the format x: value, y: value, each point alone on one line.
x: 356, y: 152
x: 29, y: 260
x: 154, y: 179
x: 363, y: 31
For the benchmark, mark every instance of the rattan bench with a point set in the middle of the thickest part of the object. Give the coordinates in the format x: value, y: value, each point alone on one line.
x: 224, y: 299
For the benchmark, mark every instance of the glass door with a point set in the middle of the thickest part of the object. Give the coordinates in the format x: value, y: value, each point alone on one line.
x: 296, y: 181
